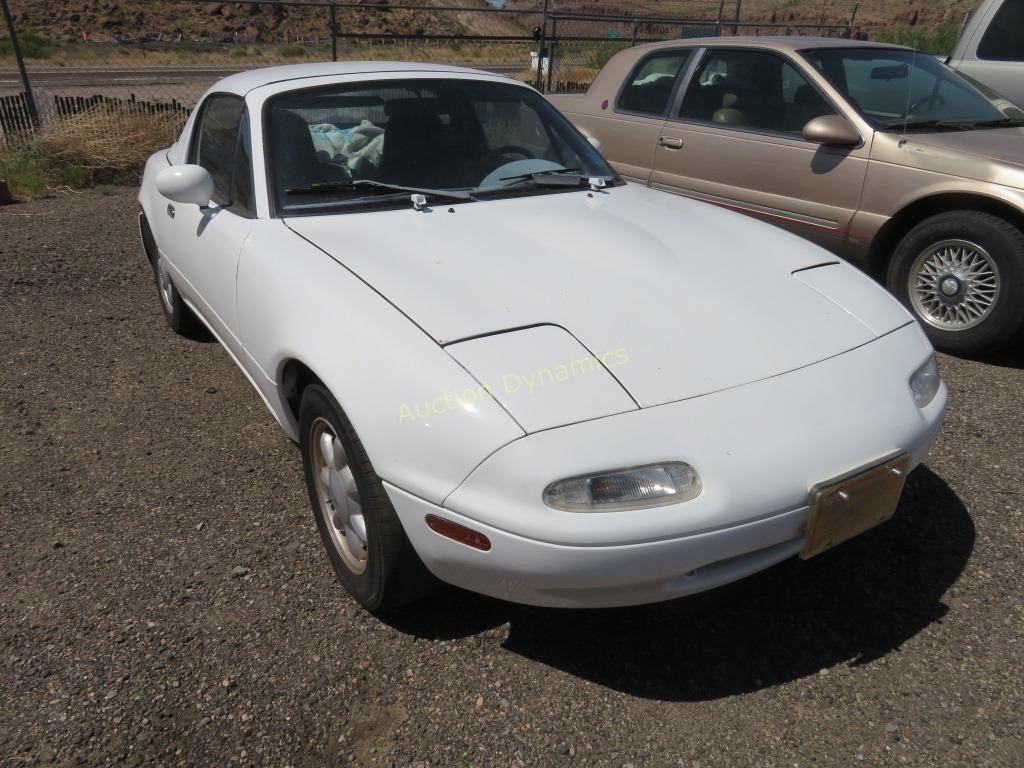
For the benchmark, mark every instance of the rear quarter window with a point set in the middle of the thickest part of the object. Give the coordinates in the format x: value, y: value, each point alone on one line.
x: 650, y: 84
x: 1004, y: 38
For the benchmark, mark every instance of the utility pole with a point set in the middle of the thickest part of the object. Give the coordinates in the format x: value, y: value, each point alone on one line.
x: 334, y: 31
x: 33, y: 114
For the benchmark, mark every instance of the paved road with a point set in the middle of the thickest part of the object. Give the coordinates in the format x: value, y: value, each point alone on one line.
x: 138, y: 470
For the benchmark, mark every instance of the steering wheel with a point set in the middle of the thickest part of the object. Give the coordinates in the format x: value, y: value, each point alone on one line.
x: 935, y: 98
x: 490, y: 160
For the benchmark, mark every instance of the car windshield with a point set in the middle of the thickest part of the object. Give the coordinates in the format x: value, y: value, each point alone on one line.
x: 354, y: 146
x: 896, y: 89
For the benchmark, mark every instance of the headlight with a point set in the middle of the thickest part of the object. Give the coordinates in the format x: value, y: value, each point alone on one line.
x: 924, y: 382
x: 653, y: 485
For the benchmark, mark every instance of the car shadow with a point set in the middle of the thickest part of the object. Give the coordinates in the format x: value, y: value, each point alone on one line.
x: 852, y: 605
x: 1012, y: 357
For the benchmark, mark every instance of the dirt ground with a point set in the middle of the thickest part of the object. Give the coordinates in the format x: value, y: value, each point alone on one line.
x: 139, y: 471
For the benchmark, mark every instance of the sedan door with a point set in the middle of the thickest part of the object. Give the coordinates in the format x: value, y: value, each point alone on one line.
x: 734, y: 139
x: 630, y: 129
x: 202, y: 244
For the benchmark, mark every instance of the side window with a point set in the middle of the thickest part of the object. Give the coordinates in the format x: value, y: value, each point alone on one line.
x: 1004, y: 38
x: 751, y: 89
x: 649, y: 86
x: 216, y: 141
x: 801, y: 101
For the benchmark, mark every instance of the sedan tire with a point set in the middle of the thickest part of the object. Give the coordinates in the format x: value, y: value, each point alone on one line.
x: 365, y: 541
x: 962, y: 276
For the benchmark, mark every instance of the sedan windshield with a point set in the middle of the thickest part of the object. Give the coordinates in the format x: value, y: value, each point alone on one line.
x: 899, y: 89
x: 371, y: 145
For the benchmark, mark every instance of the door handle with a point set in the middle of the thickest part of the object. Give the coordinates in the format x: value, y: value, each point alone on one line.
x: 670, y: 142
x: 170, y: 210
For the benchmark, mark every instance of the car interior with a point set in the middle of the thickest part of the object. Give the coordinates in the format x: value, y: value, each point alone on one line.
x: 413, y: 139
x: 752, y: 89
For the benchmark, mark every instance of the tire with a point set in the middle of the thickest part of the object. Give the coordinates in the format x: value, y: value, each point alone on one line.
x: 961, y: 274
x: 380, y: 570
x: 179, y: 317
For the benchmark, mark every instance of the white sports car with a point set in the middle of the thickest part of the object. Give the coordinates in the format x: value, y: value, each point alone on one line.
x: 509, y: 369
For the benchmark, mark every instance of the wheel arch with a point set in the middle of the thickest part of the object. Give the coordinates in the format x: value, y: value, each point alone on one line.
x: 293, y: 378
x: 885, y: 242
x: 148, y: 240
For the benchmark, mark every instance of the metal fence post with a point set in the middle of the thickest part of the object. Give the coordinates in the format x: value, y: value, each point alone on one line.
x: 33, y: 113
x: 541, y: 46
x: 853, y: 18
x: 551, y: 51
x: 334, y: 31
x: 736, y: 26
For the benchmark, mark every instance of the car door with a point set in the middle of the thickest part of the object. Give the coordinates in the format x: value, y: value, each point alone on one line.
x: 734, y: 139
x: 202, y: 245
x: 630, y: 131
x: 995, y: 54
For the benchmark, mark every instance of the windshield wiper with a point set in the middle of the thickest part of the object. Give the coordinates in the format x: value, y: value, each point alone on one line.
x: 938, y: 125
x: 553, y: 172
x: 1003, y: 122
x: 328, y: 187
x: 554, y: 177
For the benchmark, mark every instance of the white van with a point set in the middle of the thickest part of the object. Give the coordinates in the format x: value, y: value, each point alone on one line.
x: 991, y: 48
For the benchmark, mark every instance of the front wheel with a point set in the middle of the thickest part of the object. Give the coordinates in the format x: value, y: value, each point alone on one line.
x: 962, y: 275
x: 367, y: 546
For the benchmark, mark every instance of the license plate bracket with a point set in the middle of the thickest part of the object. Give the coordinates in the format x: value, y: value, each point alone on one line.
x: 844, y: 508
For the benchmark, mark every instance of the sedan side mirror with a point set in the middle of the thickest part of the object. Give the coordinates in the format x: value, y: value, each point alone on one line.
x: 186, y: 184
x: 833, y: 131
x: 595, y: 143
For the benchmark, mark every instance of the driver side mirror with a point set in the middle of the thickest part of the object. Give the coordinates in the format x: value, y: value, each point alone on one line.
x: 832, y: 131
x: 191, y: 184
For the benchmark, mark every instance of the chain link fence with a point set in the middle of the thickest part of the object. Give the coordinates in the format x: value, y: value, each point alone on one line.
x: 156, y: 57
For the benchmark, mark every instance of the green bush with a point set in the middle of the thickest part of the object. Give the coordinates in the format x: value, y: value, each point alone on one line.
x: 939, y: 40
x: 25, y: 168
x: 33, y: 46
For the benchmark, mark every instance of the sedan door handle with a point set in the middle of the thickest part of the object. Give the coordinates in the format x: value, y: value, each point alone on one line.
x: 170, y: 210
x: 670, y: 142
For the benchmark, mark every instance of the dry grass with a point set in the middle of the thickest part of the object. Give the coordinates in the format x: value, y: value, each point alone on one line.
x: 109, y: 141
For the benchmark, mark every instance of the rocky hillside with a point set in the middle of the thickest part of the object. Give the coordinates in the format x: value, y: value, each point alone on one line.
x: 873, y: 16
x: 104, y: 20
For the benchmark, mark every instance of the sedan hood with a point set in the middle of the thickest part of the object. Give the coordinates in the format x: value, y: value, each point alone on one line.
x: 995, y: 154
x: 696, y: 298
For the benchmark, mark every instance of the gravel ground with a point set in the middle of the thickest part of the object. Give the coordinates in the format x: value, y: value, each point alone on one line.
x: 165, y: 598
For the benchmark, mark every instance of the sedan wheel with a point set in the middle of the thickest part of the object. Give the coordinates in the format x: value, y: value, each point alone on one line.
x: 962, y: 275
x: 954, y: 285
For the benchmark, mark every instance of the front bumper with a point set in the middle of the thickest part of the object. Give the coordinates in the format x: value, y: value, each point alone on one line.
x: 538, y: 573
x: 759, y: 449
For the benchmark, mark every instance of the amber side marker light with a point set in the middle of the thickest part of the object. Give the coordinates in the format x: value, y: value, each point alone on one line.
x: 459, y: 533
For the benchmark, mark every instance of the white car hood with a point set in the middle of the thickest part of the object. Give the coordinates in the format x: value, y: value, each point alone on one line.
x: 698, y: 299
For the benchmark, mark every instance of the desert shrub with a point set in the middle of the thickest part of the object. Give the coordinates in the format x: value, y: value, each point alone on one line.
x: 99, y: 146
x: 291, y: 51
x: 109, y: 142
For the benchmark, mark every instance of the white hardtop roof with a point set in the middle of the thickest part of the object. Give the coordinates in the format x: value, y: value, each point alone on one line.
x: 243, y: 82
